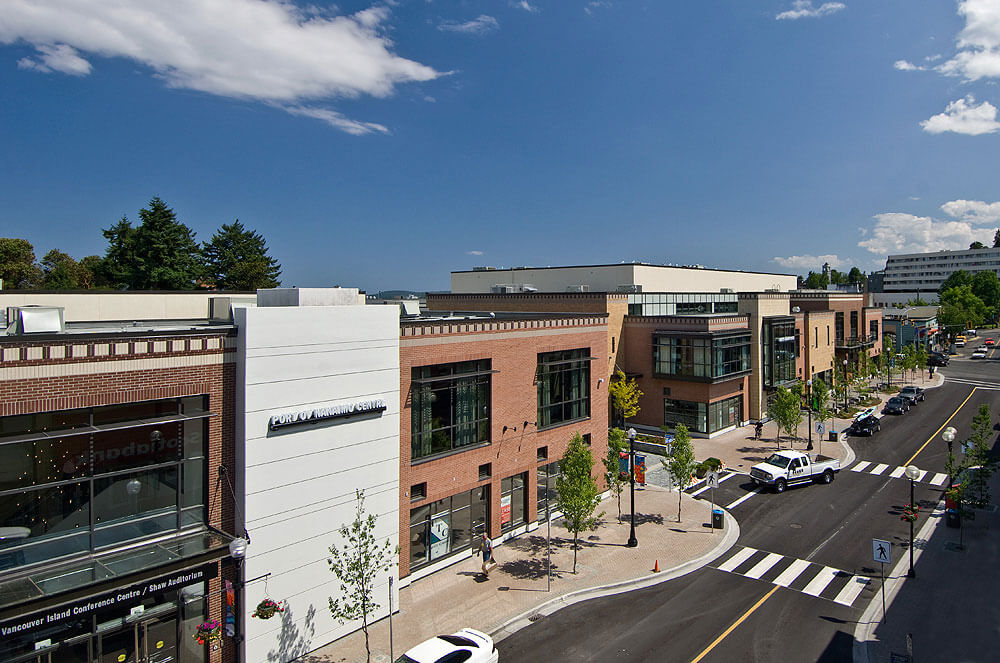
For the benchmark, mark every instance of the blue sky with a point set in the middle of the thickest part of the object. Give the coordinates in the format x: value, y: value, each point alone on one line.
x: 383, y: 145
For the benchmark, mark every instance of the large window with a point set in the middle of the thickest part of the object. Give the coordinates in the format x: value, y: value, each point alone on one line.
x: 450, y: 407
x: 701, y: 417
x: 513, y: 501
x: 563, y: 387
x: 80, y: 480
x: 780, y: 346
x: 447, y: 526
x: 702, y: 357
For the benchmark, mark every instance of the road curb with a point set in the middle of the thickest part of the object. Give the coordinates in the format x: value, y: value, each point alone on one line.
x: 870, y: 618
x: 511, y: 626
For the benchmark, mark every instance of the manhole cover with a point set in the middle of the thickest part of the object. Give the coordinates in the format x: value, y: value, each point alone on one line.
x: 795, y: 526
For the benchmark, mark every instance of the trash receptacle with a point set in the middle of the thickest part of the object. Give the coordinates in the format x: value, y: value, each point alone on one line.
x: 952, y: 518
x: 718, y: 519
x: 833, y: 436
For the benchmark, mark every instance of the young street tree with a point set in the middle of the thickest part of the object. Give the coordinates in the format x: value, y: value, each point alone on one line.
x: 236, y: 259
x: 577, y: 494
x: 787, y: 411
x: 357, y: 563
x: 821, y: 400
x: 617, y: 443
x: 680, y: 463
x: 977, y: 454
x: 625, y: 395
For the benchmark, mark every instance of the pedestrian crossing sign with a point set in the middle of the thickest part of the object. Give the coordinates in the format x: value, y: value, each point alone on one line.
x: 881, y: 551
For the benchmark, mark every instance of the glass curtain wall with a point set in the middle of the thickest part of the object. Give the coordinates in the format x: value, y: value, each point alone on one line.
x: 563, y: 387
x: 780, y: 346
x: 450, y: 407
x: 77, y: 481
x: 711, y: 358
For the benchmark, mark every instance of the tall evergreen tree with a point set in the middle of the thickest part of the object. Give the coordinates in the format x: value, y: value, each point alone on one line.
x: 236, y: 259
x: 117, y: 267
x: 61, y: 272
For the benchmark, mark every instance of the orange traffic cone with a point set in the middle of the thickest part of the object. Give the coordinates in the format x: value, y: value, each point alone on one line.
x: 656, y: 567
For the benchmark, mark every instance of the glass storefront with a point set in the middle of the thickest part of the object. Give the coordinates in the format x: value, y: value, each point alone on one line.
x: 78, y: 481
x: 701, y: 417
x: 546, y: 476
x: 447, y: 526
x: 513, y: 501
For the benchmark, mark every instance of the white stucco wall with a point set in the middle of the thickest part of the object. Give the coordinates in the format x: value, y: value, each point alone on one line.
x: 298, y: 484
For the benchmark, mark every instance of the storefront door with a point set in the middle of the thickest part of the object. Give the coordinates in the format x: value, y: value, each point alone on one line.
x: 146, y: 641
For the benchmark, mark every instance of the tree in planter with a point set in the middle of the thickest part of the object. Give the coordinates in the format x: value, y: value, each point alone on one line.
x: 357, y: 563
x: 617, y: 443
x: 977, y: 454
x: 821, y: 400
x: 625, y: 395
x: 840, y: 383
x: 680, y: 463
x: 577, y: 494
x: 787, y: 411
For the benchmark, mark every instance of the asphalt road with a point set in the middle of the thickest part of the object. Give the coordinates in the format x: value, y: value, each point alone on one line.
x: 796, y: 583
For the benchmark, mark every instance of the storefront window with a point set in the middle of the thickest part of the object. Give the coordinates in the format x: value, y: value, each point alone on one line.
x: 126, y: 481
x: 446, y: 526
x: 563, y: 387
x: 450, y: 407
x: 689, y: 413
x: 546, y: 488
x: 513, y: 501
x: 725, y: 413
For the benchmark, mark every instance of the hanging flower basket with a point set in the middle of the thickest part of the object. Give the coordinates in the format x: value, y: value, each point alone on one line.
x: 910, y: 513
x: 210, y: 631
x: 267, y: 609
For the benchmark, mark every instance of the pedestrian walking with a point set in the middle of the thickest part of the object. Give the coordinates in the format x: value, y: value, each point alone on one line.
x: 489, y: 562
x: 758, y: 428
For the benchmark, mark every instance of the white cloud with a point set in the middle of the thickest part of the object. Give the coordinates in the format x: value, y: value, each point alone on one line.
x: 962, y: 116
x: 808, y: 262
x: 525, y: 5
x: 264, y: 50
x: 591, y: 7
x: 61, y: 58
x: 973, y: 211
x: 338, y: 121
x: 896, y: 232
x: 480, y: 25
x: 904, y: 65
x: 978, y: 42
x: 473, y: 253
x: 805, y: 9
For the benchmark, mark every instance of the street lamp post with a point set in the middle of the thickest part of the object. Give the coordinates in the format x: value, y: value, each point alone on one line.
x: 948, y: 435
x: 912, y: 472
x: 845, y: 385
x: 632, y: 541
x: 809, y: 410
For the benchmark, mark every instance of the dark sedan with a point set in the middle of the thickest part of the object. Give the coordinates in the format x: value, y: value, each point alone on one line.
x: 866, y: 426
x: 896, y: 405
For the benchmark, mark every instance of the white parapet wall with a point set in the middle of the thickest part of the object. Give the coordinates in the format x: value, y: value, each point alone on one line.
x: 317, y: 419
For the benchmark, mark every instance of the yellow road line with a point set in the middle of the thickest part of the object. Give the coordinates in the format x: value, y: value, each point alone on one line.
x: 942, y: 427
x: 735, y: 624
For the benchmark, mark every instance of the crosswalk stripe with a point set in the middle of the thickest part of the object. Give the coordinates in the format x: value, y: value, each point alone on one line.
x: 789, y: 575
x: 744, y: 498
x: 898, y: 472
x: 737, y: 559
x: 851, y: 590
x: 923, y: 473
x: 938, y: 479
x: 819, y: 583
x: 763, y: 566
x: 879, y: 469
x: 860, y: 466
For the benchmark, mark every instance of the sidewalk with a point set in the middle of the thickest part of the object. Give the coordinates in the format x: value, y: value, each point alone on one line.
x: 516, y: 592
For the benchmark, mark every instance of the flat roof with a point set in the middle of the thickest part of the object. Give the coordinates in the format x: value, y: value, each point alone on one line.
x: 618, y: 264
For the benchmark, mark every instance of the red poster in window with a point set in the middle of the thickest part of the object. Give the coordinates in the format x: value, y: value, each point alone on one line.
x: 504, y: 509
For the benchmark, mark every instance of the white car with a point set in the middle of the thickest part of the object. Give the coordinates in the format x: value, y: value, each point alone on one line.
x: 468, y: 645
x: 979, y: 353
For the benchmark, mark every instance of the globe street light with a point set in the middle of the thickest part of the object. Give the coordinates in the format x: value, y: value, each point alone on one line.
x: 632, y: 541
x: 809, y: 410
x: 948, y: 435
x: 912, y: 472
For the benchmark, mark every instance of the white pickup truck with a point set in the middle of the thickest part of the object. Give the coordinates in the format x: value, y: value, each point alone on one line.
x: 787, y: 467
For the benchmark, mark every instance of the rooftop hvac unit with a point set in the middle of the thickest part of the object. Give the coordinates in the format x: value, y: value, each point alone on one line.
x: 509, y: 288
x: 578, y: 288
x: 35, y: 320
x: 629, y: 287
x: 727, y: 290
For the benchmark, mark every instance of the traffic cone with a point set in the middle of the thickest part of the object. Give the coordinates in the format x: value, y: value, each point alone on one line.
x: 656, y: 566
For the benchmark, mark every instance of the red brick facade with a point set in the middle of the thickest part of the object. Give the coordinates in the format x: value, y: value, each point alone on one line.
x: 513, y: 347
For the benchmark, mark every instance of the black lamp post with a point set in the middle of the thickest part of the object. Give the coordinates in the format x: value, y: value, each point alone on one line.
x: 845, y: 385
x: 809, y: 410
x: 912, y: 472
x: 632, y: 541
x: 948, y: 435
